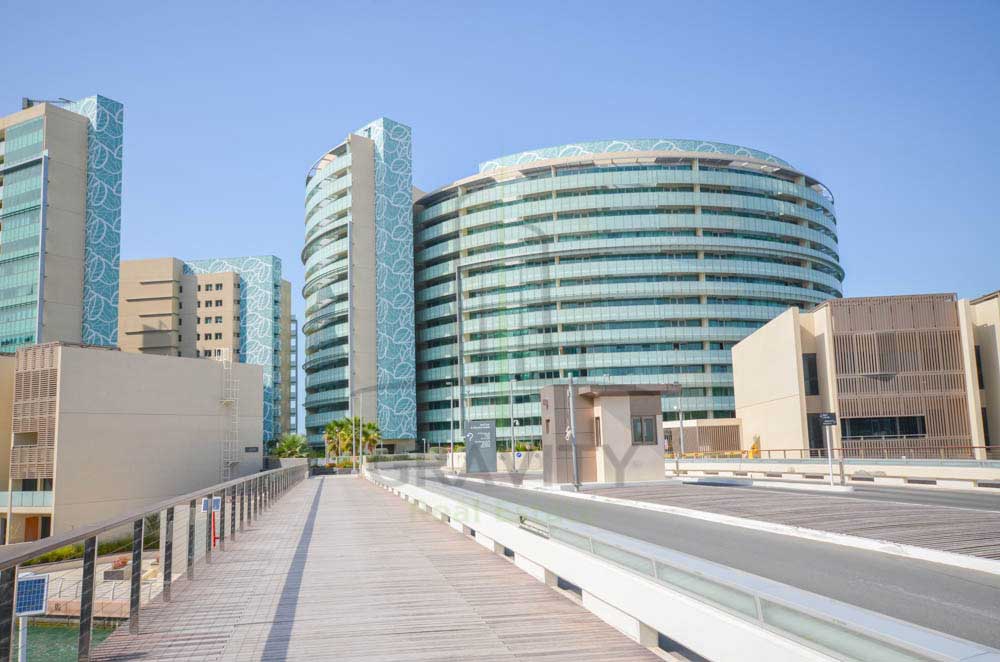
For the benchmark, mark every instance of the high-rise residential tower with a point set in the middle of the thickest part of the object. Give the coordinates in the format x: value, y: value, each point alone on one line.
x: 619, y: 261
x: 60, y: 222
x: 238, y: 307
x: 359, y: 352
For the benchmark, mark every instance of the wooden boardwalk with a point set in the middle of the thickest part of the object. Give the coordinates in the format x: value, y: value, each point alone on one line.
x: 959, y: 530
x: 341, y: 570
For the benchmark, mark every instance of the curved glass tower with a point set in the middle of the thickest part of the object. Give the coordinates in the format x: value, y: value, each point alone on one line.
x: 628, y: 261
x: 359, y: 357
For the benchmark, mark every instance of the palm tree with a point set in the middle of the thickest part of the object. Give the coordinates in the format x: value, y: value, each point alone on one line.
x: 372, y: 437
x: 338, y: 435
x: 291, y: 445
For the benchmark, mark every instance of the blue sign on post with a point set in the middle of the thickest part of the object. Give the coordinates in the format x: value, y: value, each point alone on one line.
x: 216, y: 504
x: 32, y: 594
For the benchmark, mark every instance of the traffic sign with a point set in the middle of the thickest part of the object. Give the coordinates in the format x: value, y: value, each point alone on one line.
x: 827, y: 418
x: 32, y: 594
x: 216, y: 504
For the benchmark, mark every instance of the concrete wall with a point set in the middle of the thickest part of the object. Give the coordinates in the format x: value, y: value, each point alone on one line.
x: 151, y: 301
x: 985, y: 316
x: 65, y: 219
x: 767, y: 378
x: 364, y: 354
x: 6, y: 402
x: 134, y: 429
x: 618, y: 459
x: 529, y: 461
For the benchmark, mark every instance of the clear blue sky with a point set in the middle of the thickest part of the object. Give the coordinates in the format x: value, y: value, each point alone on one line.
x: 893, y: 105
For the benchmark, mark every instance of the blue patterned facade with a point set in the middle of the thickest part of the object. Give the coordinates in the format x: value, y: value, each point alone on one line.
x: 102, y: 248
x: 260, y: 317
x: 394, y: 336
x: 618, y: 146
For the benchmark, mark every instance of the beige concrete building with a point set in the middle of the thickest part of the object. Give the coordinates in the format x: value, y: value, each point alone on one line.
x: 93, y: 432
x: 60, y: 219
x: 915, y: 376
x: 619, y: 432
x: 239, y: 307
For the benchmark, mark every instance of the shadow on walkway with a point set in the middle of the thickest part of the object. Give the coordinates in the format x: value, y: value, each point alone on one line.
x: 276, y: 647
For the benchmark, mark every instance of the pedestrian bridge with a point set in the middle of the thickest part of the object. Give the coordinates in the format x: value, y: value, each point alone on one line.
x: 404, y: 564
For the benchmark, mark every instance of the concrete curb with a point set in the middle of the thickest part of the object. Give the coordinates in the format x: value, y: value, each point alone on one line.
x: 952, y: 559
x: 804, y: 487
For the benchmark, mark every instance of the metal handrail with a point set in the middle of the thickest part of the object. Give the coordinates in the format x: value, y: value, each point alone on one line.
x: 736, y: 592
x: 254, y: 494
x: 27, y: 551
x: 899, y: 450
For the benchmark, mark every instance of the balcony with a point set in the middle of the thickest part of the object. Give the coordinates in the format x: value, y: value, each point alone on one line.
x: 36, y: 499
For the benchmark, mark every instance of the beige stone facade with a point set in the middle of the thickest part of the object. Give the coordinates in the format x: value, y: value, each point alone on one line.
x: 166, y: 310
x: 60, y: 305
x: 93, y: 432
x: 912, y: 376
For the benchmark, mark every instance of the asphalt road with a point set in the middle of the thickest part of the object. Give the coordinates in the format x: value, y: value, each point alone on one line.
x: 963, y: 603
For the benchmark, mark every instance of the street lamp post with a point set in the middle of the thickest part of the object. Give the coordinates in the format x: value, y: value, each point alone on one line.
x: 677, y: 462
x: 451, y: 455
x: 510, y: 397
x: 571, y: 433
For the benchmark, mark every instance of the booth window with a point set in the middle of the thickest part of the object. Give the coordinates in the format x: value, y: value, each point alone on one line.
x: 643, y: 430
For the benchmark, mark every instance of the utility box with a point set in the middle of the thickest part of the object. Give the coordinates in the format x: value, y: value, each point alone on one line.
x: 619, y: 432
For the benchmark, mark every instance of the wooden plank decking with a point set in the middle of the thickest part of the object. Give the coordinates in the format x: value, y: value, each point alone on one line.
x: 341, y: 570
x: 959, y: 530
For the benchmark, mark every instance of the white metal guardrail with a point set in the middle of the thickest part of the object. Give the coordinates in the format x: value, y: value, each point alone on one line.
x: 830, y: 628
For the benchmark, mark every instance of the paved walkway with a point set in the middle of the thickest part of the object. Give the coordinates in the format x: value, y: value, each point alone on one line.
x: 340, y: 569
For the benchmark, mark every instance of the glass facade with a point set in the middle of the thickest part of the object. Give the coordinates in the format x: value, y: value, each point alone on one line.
x: 22, y: 199
x: 615, y: 262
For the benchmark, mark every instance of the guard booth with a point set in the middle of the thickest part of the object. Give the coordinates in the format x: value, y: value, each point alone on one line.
x: 619, y: 432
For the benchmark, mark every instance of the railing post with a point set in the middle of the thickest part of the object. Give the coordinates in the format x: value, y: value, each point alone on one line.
x: 135, y: 591
x: 7, y: 583
x: 168, y: 554
x: 232, y: 512
x: 192, y: 508
x: 243, y: 502
x: 222, y: 521
x: 87, y: 598
x: 209, y: 516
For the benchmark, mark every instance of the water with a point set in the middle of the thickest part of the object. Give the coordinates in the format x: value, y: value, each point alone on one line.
x: 56, y: 642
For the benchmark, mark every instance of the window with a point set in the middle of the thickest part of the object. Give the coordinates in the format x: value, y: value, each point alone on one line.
x: 218, y: 303
x: 218, y: 286
x: 218, y: 336
x: 180, y: 289
x: 986, y: 428
x: 197, y: 353
x: 979, y: 368
x: 180, y: 338
x: 643, y: 430
x: 810, y: 374
x: 180, y: 304
x: 218, y: 320
x: 199, y: 304
x: 197, y: 320
x: 199, y: 288
x: 218, y: 352
x: 208, y: 304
